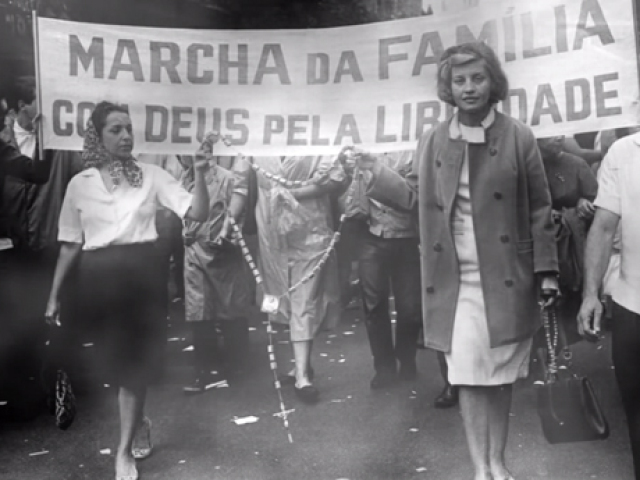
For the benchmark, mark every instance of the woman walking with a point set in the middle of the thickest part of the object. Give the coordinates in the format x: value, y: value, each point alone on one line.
x: 107, y: 226
x: 487, y: 242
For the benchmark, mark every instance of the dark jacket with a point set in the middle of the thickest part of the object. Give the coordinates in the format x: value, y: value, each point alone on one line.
x: 512, y: 220
x: 14, y: 164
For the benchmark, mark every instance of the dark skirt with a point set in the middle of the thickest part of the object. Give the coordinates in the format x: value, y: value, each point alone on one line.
x: 119, y: 292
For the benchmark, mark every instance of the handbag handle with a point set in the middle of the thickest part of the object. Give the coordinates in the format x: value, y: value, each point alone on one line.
x: 550, y: 322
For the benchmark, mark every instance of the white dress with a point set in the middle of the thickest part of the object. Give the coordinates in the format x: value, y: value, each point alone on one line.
x: 471, y: 360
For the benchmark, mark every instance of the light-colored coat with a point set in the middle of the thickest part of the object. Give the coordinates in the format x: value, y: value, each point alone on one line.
x: 512, y: 221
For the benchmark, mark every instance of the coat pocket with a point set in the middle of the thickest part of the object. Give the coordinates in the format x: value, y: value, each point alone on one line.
x: 525, y: 246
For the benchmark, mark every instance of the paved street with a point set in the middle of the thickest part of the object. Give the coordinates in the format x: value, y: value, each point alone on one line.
x: 353, y: 433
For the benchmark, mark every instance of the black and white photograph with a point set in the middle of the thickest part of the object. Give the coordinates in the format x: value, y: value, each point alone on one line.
x: 319, y: 240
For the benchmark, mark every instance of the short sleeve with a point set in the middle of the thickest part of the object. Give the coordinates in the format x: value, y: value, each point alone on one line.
x: 171, y: 194
x: 588, y: 182
x: 609, y: 185
x: 69, y: 224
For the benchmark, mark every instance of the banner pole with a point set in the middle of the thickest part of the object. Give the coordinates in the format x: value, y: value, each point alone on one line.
x: 36, y: 54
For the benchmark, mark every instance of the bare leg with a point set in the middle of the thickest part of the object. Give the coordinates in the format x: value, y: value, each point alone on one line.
x: 131, y: 404
x: 499, y: 408
x: 302, y: 356
x: 474, y: 408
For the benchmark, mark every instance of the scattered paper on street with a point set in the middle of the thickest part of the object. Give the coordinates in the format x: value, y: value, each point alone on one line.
x: 42, y: 452
x: 105, y: 451
x: 244, y: 420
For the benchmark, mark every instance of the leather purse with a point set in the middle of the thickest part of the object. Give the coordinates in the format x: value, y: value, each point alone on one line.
x: 65, y: 406
x: 567, y: 404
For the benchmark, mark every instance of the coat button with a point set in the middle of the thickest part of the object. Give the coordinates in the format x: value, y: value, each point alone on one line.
x: 504, y: 238
x: 493, y: 152
x: 438, y: 164
x: 508, y: 283
x: 430, y: 289
x: 497, y: 196
x: 437, y: 247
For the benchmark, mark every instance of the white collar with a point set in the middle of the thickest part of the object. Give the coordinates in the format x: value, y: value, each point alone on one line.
x: 459, y: 131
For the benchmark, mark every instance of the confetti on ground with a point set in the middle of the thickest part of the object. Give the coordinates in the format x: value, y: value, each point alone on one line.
x: 413, y: 430
x: 328, y: 342
x: 338, y: 400
x: 220, y: 384
x: 348, y: 332
x: 87, y: 344
x: 42, y: 452
x: 342, y: 360
x: 3, y: 403
x: 538, y: 382
x: 349, y: 396
x: 245, y: 420
x: 252, y: 329
x: 412, y: 397
x: 106, y: 385
x: 182, y: 461
x: 283, y: 342
x: 324, y: 354
x: 105, y: 451
x: 421, y: 469
x: 174, y: 339
x: 188, y: 349
x: 333, y: 335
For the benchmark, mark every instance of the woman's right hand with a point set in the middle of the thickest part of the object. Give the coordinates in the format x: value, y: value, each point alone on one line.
x: 52, y: 313
x: 363, y: 159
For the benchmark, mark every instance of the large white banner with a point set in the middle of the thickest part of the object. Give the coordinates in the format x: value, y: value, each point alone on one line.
x: 572, y: 67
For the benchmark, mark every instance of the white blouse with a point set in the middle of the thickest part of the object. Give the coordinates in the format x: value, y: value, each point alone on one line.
x: 96, y: 217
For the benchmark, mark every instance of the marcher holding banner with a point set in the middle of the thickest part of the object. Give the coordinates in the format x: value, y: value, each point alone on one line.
x: 107, y: 223
x: 487, y: 244
x: 294, y: 231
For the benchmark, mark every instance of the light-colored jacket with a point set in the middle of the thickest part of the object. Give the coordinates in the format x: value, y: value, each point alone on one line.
x: 512, y: 221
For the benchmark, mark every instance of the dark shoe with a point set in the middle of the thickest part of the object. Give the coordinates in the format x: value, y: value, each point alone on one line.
x: 408, y: 372
x: 383, y: 380
x: 287, y: 379
x: 448, y: 398
x: 308, y: 394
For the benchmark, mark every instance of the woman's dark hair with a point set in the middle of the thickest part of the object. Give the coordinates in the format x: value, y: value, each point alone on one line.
x: 467, y: 53
x: 102, y: 111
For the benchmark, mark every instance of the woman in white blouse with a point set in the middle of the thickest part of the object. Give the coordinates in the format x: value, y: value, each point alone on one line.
x: 107, y: 226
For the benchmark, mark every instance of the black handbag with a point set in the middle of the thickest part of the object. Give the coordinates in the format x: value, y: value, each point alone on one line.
x: 567, y: 404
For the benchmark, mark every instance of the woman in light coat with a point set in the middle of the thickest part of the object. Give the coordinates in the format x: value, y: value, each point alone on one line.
x: 487, y: 242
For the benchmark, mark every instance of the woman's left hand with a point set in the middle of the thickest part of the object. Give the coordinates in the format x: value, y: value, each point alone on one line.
x: 205, y: 152
x: 549, y: 290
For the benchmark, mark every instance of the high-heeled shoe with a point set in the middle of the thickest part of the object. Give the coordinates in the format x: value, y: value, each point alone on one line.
x: 448, y: 398
x: 288, y: 379
x: 142, y: 444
